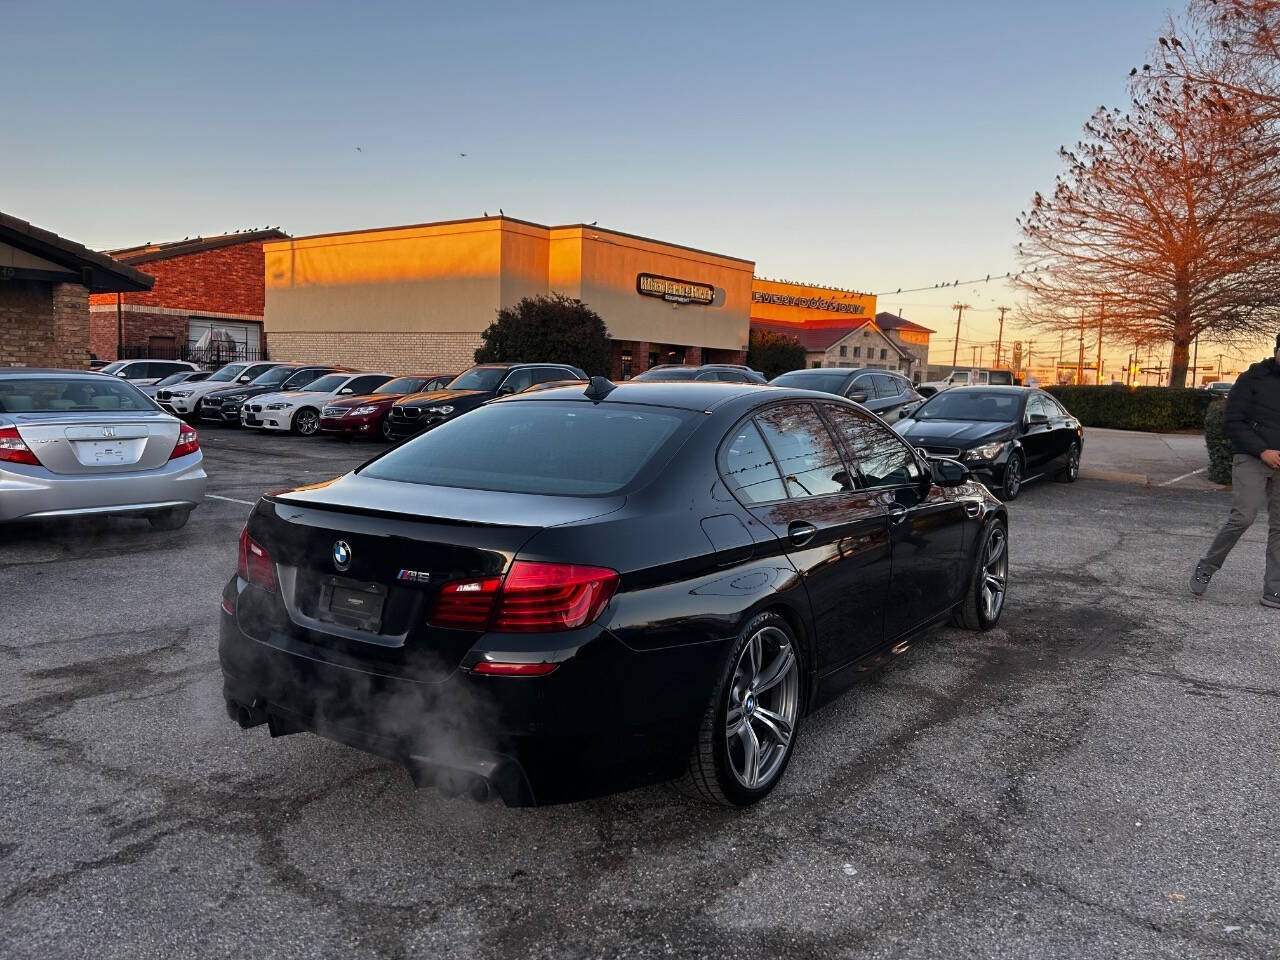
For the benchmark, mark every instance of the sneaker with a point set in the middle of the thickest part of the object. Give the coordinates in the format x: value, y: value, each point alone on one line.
x: 1271, y: 600
x: 1200, y: 579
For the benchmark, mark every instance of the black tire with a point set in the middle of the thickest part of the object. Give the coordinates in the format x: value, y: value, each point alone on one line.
x: 174, y: 519
x: 306, y: 422
x: 974, y: 613
x: 711, y: 775
x: 384, y: 429
x: 1071, y: 468
x: 1014, y: 475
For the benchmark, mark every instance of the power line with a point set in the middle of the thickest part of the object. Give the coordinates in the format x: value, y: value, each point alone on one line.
x: 1009, y: 275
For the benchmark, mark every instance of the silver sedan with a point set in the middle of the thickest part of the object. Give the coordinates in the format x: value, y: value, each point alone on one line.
x: 76, y: 443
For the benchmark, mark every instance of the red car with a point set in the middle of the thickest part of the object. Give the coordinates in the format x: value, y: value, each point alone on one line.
x: 366, y: 416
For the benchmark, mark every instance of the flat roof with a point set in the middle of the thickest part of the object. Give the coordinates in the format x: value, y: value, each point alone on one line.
x: 528, y: 223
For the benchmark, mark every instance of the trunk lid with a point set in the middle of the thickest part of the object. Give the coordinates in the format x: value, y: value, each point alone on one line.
x: 89, y: 443
x: 362, y: 561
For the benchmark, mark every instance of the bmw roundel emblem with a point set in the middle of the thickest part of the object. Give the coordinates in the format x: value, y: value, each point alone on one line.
x: 342, y: 554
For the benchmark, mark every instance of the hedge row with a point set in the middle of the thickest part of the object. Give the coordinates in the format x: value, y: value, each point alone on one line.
x: 1215, y: 438
x: 1157, y: 409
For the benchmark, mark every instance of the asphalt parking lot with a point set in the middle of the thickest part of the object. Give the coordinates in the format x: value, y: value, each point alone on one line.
x: 1098, y: 777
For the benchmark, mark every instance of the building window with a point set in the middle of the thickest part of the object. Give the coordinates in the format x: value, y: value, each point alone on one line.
x: 626, y: 364
x: 884, y: 354
x: 844, y: 351
x: 857, y: 351
x: 816, y: 364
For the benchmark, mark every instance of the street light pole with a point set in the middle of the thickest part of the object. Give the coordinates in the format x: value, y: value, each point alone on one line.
x: 959, y: 308
x: 1000, y: 336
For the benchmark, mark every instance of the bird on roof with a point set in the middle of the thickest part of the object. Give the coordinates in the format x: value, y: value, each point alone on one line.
x: 462, y: 154
x: 358, y: 150
x: 1133, y: 72
x: 500, y: 213
x: 486, y: 213
x: 593, y: 223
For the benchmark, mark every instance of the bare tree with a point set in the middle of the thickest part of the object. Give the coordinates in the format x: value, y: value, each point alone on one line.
x: 1165, y: 224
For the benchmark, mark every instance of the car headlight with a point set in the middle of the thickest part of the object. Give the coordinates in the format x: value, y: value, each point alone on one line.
x: 988, y: 451
x: 362, y: 411
x: 277, y: 406
x: 178, y: 394
x: 445, y: 410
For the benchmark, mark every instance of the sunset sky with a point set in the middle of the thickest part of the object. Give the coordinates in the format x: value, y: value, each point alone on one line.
x: 872, y: 146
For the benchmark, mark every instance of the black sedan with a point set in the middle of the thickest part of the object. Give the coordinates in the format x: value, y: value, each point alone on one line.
x: 417, y: 412
x: 887, y: 395
x: 1005, y: 435
x: 650, y: 580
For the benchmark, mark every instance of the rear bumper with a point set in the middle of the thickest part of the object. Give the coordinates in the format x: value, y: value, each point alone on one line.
x: 573, y: 733
x: 32, y: 493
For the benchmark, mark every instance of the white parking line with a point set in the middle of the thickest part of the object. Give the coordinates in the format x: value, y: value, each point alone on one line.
x: 1169, y: 483
x: 214, y: 496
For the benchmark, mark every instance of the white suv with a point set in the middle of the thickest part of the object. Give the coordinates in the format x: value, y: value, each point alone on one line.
x: 183, y: 399
x: 144, y: 373
x: 966, y: 378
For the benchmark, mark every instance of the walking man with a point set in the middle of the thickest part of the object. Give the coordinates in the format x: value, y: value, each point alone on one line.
x: 1252, y: 422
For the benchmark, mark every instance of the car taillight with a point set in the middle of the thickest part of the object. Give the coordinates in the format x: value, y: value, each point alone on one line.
x: 552, y: 596
x: 13, y: 449
x: 531, y: 598
x: 188, y: 442
x: 465, y: 604
x: 255, y: 562
x: 508, y: 668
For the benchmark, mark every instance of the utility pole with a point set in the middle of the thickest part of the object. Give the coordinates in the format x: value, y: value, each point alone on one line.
x: 1195, y: 360
x: 1219, y: 366
x: 1102, y: 312
x: 1000, y: 337
x: 1080, y: 362
x: 959, y: 308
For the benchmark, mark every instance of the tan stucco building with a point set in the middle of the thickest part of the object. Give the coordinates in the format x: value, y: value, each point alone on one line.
x: 416, y: 298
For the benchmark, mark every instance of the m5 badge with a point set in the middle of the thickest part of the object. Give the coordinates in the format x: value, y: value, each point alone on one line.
x: 413, y: 576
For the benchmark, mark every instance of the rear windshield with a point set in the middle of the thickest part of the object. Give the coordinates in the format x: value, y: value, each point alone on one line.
x: 812, y: 380
x: 70, y: 395
x: 670, y: 374
x: 549, y: 447
x: 403, y: 385
x: 479, y: 378
x: 273, y: 377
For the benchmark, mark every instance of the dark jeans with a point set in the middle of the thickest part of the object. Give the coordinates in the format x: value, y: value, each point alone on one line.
x: 1254, y: 485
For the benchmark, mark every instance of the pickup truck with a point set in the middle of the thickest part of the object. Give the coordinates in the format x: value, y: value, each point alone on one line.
x: 966, y: 378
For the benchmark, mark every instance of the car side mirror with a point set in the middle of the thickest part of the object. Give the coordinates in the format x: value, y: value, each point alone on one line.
x: 244, y: 380
x: 122, y: 374
x: 1036, y: 418
x: 345, y: 390
x: 858, y: 396
x: 949, y: 473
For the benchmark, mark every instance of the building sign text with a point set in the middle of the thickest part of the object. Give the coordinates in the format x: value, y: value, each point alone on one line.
x: 812, y: 303
x: 673, y: 290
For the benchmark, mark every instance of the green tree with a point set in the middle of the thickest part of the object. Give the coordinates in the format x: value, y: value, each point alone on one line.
x: 542, y: 329
x: 774, y: 353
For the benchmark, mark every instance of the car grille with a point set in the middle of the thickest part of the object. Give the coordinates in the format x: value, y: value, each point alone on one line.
x: 255, y: 407
x: 949, y: 452
x: 333, y: 411
x: 406, y: 413
x: 162, y: 394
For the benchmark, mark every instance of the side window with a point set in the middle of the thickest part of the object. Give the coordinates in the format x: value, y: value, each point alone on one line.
x: 1055, y: 409
x: 886, y: 389
x: 367, y: 384
x: 547, y: 374
x: 732, y: 376
x: 1036, y: 405
x: 879, y: 454
x: 748, y: 467
x: 862, y: 384
x: 517, y: 380
x: 707, y: 376
x: 806, y: 455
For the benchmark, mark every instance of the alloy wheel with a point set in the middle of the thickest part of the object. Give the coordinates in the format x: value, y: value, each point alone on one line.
x: 764, y: 698
x: 1013, y: 477
x: 1073, y: 462
x: 384, y: 428
x: 995, y: 573
x: 308, y: 422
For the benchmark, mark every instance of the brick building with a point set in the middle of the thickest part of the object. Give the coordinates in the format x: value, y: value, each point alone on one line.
x: 206, y: 304
x: 45, y: 285
x: 858, y: 343
x: 911, y: 337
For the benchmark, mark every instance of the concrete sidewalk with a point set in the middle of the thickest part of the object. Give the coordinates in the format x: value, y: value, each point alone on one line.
x: 1155, y: 459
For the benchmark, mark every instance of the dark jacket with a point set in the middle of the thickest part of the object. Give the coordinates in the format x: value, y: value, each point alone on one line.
x: 1252, y: 418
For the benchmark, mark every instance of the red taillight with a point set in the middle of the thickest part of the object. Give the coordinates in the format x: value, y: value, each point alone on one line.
x: 501, y: 668
x: 465, y: 604
x: 13, y: 449
x: 552, y: 596
x: 188, y: 442
x: 531, y: 598
x: 255, y: 562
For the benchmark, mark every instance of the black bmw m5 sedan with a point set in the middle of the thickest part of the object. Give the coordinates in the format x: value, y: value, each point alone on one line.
x: 565, y: 580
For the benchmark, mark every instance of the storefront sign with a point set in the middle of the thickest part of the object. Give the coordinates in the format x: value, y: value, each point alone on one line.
x: 813, y: 303
x: 673, y: 290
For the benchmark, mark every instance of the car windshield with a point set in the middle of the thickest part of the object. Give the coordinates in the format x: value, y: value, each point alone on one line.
x: 273, y: 377
x: 668, y: 375
x: 479, y: 378
x: 175, y: 378
x: 330, y: 383
x: 544, y: 447
x: 69, y: 395
x: 227, y: 373
x: 113, y: 367
x: 987, y: 406
x: 823, y: 380
x: 402, y: 385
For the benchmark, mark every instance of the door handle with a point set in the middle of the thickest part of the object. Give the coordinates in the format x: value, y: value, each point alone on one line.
x: 897, y: 514
x: 800, y: 532
x: 973, y: 509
